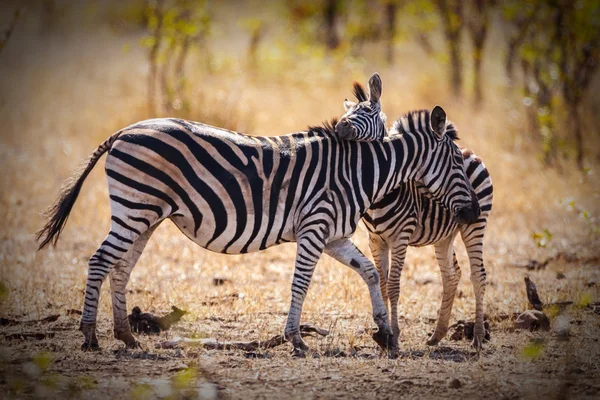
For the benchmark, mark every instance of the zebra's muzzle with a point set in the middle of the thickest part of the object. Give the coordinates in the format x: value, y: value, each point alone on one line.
x: 470, y: 213
x: 345, y: 130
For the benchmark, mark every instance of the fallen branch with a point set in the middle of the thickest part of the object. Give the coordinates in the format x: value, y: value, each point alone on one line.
x: 7, y: 321
x: 214, y: 344
x: 536, y: 265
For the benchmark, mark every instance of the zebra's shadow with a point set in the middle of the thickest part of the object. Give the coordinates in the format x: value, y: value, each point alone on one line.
x: 443, y: 353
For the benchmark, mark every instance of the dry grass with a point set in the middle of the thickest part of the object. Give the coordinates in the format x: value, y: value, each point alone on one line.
x: 61, y: 94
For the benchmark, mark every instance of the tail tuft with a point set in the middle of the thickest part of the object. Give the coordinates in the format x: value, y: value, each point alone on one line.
x: 59, y: 212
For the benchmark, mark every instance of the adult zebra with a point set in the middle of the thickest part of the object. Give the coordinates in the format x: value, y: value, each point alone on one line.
x: 409, y: 217
x: 233, y: 193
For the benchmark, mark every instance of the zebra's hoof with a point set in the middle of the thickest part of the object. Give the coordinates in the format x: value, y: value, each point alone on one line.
x: 93, y: 346
x: 133, y: 345
x: 384, y: 340
x: 299, y: 344
x: 477, y: 342
x: 432, y: 341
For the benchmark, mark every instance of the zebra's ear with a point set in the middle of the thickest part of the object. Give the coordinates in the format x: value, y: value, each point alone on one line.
x: 375, y: 88
x: 438, y: 121
x: 348, y: 104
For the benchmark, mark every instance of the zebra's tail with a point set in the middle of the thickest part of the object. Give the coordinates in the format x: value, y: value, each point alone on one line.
x: 58, y: 213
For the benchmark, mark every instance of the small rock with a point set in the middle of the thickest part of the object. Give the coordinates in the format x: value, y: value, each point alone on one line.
x: 561, y: 327
x: 220, y: 281
x: 560, y: 275
x: 532, y: 320
x: 454, y: 383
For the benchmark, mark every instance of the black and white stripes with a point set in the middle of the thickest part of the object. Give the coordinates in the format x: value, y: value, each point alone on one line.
x: 233, y: 193
x: 408, y: 216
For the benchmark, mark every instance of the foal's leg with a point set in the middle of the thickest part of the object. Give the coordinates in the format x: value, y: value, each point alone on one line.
x: 398, y: 257
x: 119, y: 276
x: 444, y: 252
x: 473, y: 238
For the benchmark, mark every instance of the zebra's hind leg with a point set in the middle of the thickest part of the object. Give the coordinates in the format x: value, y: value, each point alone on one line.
x: 119, y: 276
x: 114, y: 248
x: 347, y: 253
x: 444, y: 251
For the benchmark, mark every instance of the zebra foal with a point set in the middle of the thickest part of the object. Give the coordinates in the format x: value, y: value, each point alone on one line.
x: 409, y: 217
x: 233, y: 193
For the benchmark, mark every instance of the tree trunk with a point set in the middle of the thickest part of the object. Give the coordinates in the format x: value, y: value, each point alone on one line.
x: 455, y: 68
x: 331, y: 37
x: 390, y: 15
x: 152, y: 58
x: 576, y: 117
x: 478, y: 86
x: 451, y: 13
x: 478, y: 27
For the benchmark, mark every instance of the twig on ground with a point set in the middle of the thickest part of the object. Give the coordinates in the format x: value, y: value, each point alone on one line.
x: 214, y: 344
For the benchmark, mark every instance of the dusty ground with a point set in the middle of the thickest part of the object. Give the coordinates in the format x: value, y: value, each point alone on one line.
x: 62, y: 93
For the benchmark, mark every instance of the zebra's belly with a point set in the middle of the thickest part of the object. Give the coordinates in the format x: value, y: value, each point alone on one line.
x: 424, y: 236
x: 235, y: 239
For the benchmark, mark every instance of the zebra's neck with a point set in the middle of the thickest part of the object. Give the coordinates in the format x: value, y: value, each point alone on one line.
x: 385, y: 165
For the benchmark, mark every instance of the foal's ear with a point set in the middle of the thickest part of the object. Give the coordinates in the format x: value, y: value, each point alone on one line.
x: 348, y: 104
x: 375, y: 88
x: 438, y: 121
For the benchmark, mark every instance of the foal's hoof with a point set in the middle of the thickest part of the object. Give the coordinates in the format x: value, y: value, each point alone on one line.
x: 477, y: 342
x: 93, y: 346
x: 432, y: 341
x: 384, y: 340
x: 133, y: 345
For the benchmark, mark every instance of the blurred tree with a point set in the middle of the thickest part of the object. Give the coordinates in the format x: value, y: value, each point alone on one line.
x: 317, y: 20
x: 330, y: 14
x: 11, y: 28
x: 451, y: 14
x: 520, y: 17
x: 558, y: 43
x: 478, y: 25
x: 578, y: 36
x: 175, y: 26
x: 255, y: 28
x: 391, y: 7
x: 155, y: 20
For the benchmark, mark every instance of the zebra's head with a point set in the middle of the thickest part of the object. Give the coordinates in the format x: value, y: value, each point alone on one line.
x: 442, y: 171
x: 363, y: 121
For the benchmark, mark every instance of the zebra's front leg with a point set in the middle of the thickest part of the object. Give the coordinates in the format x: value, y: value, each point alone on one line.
x: 398, y: 256
x: 310, y: 248
x: 119, y: 276
x: 381, y: 256
x: 444, y: 251
x: 347, y: 253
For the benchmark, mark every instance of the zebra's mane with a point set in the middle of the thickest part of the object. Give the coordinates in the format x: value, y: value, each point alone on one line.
x: 415, y: 117
x: 359, y: 92
x: 326, y: 128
